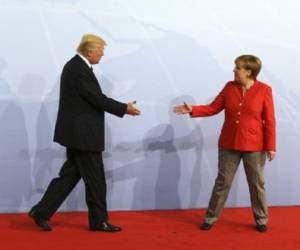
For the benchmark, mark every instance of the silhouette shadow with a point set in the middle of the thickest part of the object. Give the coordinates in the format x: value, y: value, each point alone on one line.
x: 15, y: 179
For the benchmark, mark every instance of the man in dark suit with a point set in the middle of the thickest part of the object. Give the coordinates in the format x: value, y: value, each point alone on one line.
x: 80, y: 128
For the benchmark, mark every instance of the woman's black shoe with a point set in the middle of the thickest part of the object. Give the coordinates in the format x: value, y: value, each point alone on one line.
x: 206, y: 226
x: 261, y: 228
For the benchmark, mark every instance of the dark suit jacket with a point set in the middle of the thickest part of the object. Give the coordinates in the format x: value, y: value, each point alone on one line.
x: 80, y: 119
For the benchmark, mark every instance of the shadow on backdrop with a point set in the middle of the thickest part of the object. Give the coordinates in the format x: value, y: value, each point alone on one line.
x: 15, y: 178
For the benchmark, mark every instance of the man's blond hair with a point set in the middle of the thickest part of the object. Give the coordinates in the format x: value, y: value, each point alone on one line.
x: 89, y: 42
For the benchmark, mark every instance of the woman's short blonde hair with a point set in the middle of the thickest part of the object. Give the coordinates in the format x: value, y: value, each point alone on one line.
x: 250, y: 62
x: 89, y: 42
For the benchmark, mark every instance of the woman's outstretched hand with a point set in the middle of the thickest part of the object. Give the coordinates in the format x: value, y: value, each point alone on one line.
x: 183, y: 109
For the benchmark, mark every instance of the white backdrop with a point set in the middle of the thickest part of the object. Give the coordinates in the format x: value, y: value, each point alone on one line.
x: 160, y: 53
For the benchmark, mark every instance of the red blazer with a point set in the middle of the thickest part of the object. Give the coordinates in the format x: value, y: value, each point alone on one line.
x: 249, y: 123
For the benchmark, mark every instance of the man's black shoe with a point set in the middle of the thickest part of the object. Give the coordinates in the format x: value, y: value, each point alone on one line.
x: 206, y: 226
x: 105, y: 227
x: 41, y: 223
x: 262, y: 228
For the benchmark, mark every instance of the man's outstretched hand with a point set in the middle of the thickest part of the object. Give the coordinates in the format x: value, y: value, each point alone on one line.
x: 132, y: 109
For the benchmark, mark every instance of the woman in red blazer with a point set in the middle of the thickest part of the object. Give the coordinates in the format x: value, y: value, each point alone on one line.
x: 248, y: 134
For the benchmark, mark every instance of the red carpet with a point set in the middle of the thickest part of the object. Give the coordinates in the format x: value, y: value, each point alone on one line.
x: 145, y: 230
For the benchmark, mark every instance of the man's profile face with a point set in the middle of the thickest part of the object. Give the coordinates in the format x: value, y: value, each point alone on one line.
x: 95, y: 55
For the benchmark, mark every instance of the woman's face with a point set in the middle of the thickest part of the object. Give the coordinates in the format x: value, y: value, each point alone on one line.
x: 240, y: 73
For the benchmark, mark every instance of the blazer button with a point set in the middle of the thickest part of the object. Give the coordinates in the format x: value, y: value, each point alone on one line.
x: 237, y: 121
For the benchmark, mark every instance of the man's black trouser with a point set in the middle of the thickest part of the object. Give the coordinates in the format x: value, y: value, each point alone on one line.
x: 87, y: 165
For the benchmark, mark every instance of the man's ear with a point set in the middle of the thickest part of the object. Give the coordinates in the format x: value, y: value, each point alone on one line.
x: 88, y: 54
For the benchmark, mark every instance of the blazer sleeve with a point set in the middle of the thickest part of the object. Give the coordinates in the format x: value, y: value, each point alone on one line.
x: 89, y: 90
x: 216, y: 106
x: 269, y: 121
